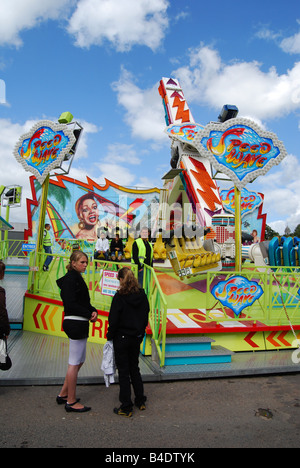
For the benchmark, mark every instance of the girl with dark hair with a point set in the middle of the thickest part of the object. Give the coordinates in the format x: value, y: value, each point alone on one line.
x: 128, y: 319
x: 78, y: 312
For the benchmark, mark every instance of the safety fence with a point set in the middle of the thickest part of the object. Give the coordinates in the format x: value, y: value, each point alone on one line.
x: 278, y: 304
x: 158, y: 311
x: 12, y: 248
x: 44, y: 283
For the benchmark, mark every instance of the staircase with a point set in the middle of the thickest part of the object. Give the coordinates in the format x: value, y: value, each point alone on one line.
x: 191, y: 350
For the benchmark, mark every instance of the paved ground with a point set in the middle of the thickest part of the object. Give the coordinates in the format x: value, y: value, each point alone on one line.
x: 180, y: 416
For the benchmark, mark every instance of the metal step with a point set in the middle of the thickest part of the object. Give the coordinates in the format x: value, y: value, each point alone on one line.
x: 215, y: 355
x: 188, y: 343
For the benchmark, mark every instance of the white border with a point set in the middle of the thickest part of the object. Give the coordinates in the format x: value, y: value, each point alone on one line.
x: 240, y: 184
x: 56, y: 127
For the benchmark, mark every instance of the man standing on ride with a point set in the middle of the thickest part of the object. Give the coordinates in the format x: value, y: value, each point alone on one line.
x: 142, y: 253
x: 47, y: 243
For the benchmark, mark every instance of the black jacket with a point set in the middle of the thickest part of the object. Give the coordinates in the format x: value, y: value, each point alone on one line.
x: 4, y: 321
x: 128, y: 315
x: 75, y: 295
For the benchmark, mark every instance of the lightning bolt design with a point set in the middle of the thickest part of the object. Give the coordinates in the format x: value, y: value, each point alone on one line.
x: 208, y: 186
x: 183, y: 115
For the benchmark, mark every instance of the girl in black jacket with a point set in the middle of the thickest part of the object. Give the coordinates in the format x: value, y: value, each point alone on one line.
x: 4, y: 321
x: 78, y: 312
x: 128, y: 319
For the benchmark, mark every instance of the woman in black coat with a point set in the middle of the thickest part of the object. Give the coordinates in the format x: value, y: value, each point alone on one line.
x: 128, y: 319
x: 4, y: 321
x: 78, y: 311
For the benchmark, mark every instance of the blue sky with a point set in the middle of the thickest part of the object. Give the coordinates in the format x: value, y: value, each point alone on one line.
x: 102, y: 60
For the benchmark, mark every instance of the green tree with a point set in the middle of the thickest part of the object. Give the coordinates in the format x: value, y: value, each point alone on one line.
x: 270, y: 233
x: 297, y: 231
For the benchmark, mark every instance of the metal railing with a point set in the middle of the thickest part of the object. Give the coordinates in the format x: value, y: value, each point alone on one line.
x: 12, y: 248
x: 44, y: 283
x: 279, y: 302
x: 158, y: 312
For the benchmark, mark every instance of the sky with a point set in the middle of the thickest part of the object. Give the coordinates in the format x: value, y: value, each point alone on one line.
x: 102, y: 60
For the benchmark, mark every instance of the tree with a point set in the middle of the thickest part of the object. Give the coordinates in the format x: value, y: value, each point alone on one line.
x: 297, y: 231
x: 269, y: 233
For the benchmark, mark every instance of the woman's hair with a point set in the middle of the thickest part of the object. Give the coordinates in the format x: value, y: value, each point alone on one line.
x: 2, y: 269
x: 76, y: 255
x: 129, y: 284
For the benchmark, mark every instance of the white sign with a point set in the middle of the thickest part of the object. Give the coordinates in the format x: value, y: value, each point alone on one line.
x: 110, y: 283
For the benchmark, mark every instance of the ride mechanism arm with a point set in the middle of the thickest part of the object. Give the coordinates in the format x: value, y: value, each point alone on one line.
x: 194, y: 170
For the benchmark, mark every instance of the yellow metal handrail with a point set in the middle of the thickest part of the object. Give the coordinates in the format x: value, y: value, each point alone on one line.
x: 158, y: 311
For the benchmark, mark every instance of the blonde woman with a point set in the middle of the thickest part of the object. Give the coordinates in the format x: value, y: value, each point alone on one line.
x: 78, y: 312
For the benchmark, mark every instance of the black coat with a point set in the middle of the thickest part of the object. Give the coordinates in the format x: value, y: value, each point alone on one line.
x: 4, y: 321
x: 128, y: 315
x: 75, y: 295
x: 76, y: 301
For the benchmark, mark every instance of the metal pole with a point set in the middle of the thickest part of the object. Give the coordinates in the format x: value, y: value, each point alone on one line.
x: 41, y: 227
x: 238, y: 229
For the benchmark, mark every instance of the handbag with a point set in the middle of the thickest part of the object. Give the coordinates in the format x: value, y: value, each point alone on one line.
x: 5, y: 361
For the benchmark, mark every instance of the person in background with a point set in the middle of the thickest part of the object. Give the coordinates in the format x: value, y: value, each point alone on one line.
x: 102, y: 247
x: 78, y: 311
x: 128, y: 319
x: 4, y: 321
x: 47, y: 244
x: 142, y: 253
x: 116, y: 248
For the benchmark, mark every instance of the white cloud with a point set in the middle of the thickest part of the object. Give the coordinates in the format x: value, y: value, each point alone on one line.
x: 122, y: 23
x: 82, y: 148
x: 14, y: 173
x: 116, y: 173
x: 144, y: 110
x: 207, y: 80
x: 19, y: 15
x: 120, y: 152
x: 111, y: 166
x: 291, y: 44
x: 282, y: 194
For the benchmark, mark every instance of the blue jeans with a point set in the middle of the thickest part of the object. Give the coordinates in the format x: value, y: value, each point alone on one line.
x: 97, y: 255
x: 49, y: 258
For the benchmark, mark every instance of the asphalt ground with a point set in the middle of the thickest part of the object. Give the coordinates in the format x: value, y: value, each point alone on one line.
x: 181, y: 417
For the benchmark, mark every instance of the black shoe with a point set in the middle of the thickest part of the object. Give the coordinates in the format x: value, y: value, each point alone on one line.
x: 69, y: 408
x: 141, y: 406
x: 63, y: 400
x: 122, y: 412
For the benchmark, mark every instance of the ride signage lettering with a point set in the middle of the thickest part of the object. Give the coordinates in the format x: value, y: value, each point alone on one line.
x: 240, y: 149
x: 250, y: 201
x: 237, y: 293
x: 44, y: 148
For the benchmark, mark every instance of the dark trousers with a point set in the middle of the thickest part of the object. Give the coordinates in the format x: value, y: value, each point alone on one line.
x: 127, y: 350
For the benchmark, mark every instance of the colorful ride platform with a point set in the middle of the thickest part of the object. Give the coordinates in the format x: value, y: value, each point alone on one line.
x: 218, y: 307
x: 203, y: 340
